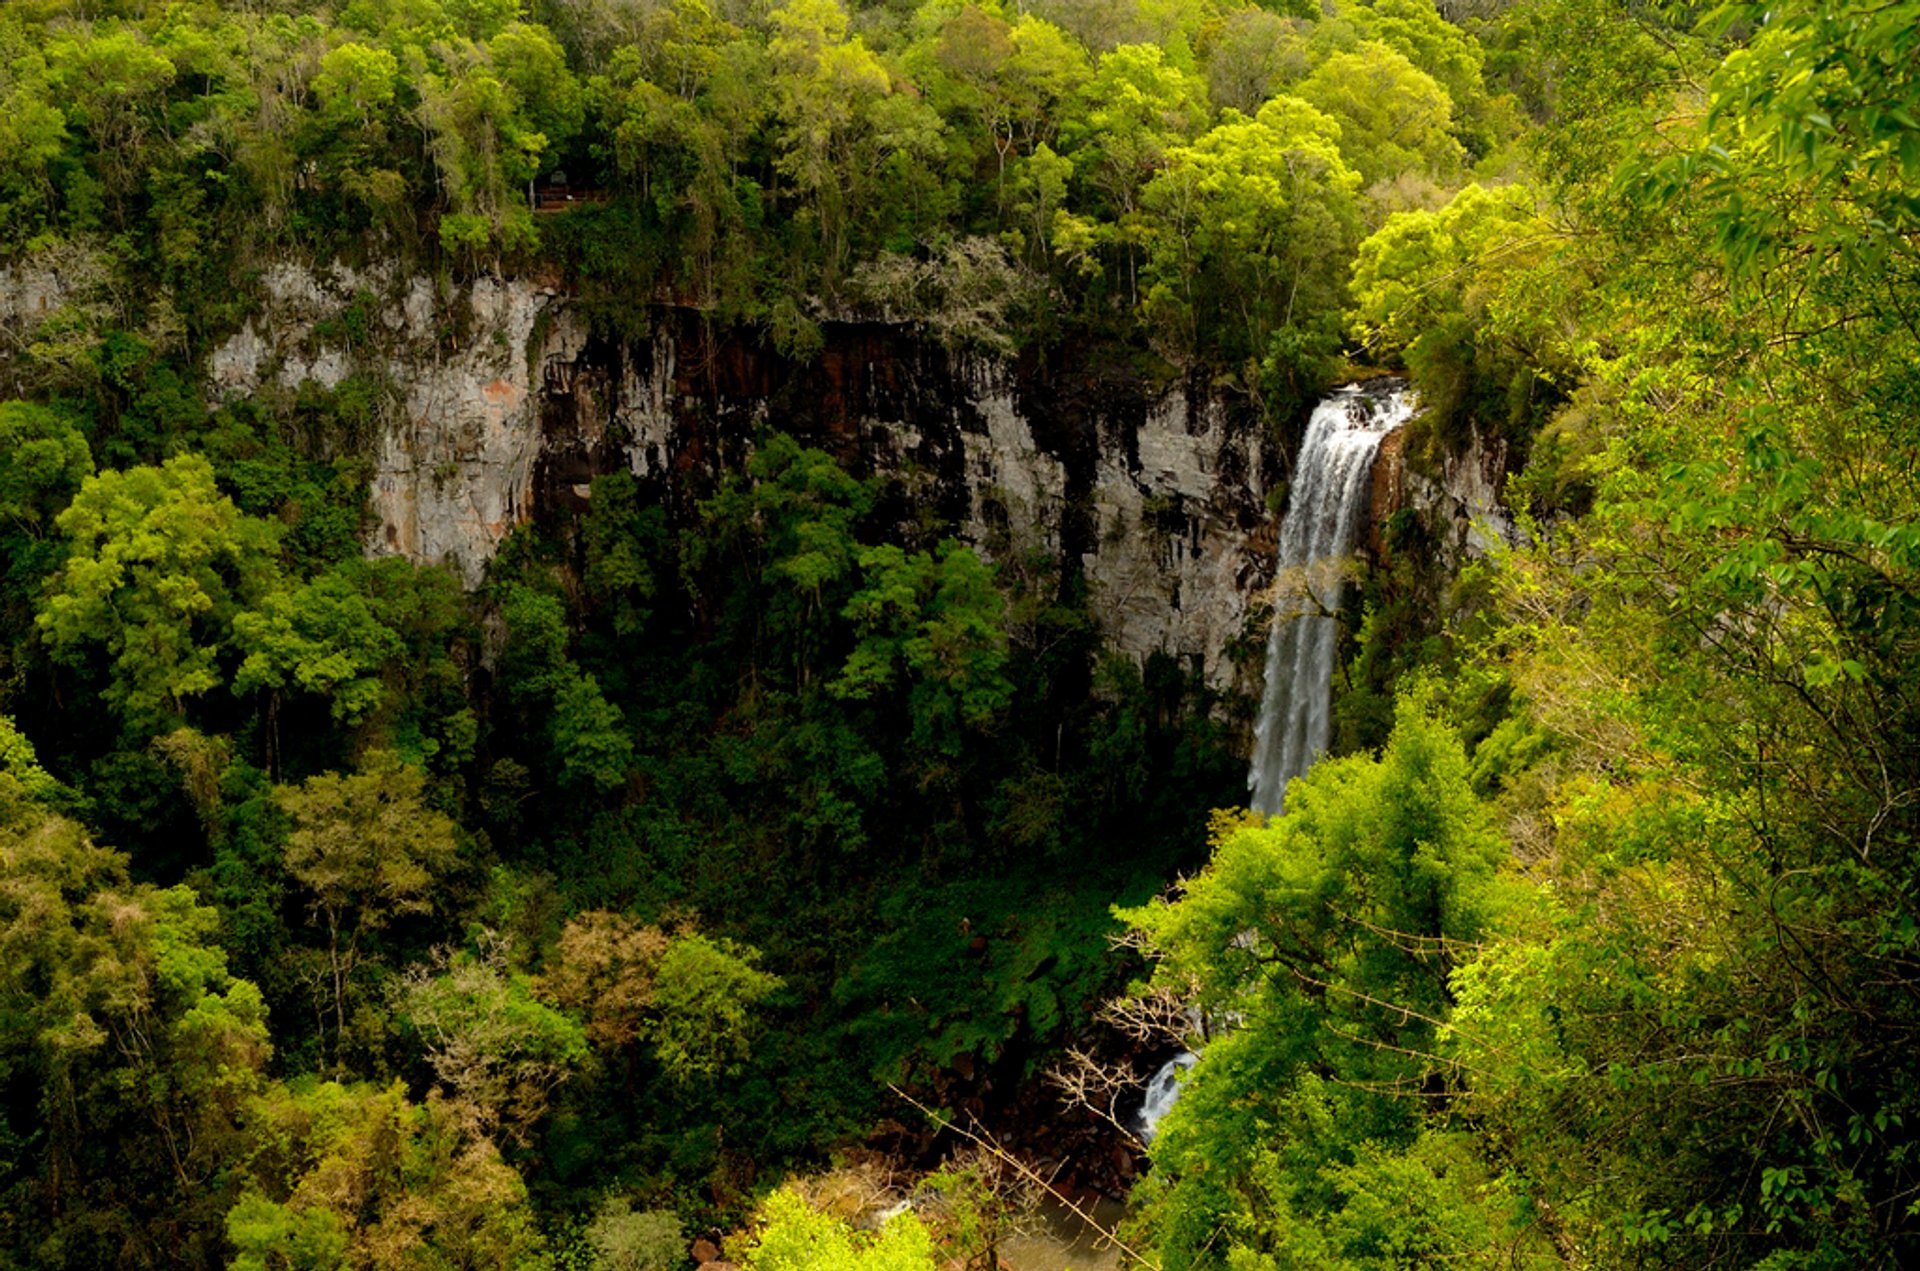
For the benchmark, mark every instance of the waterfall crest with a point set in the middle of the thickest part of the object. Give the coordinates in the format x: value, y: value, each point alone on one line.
x: 1330, y: 488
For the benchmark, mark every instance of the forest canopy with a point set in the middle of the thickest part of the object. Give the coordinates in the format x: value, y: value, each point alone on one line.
x: 356, y: 913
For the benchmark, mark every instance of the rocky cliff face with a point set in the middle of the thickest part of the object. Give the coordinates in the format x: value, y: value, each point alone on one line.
x: 1460, y: 498
x: 1157, y: 497
x: 504, y: 403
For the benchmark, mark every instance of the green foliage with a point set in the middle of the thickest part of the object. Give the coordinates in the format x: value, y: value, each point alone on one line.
x: 128, y: 1040
x: 1679, y: 1032
x: 160, y: 564
x: 793, y: 1236
x: 690, y: 997
x: 1453, y: 292
x: 1135, y: 108
x: 18, y: 761
x: 1251, y: 227
x: 43, y: 460
x: 626, y: 1239
x: 320, y: 638
x: 1327, y: 937
x: 758, y: 162
x: 366, y: 849
x: 364, y: 1178
x: 1393, y: 116
x: 622, y: 539
x: 488, y: 1039
x: 588, y: 737
x: 1662, y: 1018
x: 922, y: 995
x: 936, y: 622
x: 705, y: 990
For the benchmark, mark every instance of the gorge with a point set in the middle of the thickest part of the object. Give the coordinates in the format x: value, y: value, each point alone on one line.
x: 642, y: 635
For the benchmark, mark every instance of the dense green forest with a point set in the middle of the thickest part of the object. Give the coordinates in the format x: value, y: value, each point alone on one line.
x: 353, y: 917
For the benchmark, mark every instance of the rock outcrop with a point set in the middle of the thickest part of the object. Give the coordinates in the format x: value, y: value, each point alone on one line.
x: 502, y: 402
x: 505, y: 403
x: 1457, y: 495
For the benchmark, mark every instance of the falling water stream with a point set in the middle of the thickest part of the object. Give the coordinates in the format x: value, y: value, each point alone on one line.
x: 1161, y: 1092
x: 1331, y: 486
x: 1330, y: 490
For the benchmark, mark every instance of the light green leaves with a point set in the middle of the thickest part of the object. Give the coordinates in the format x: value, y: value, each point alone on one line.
x: 1393, y: 116
x: 937, y: 623
x: 323, y: 637
x: 1318, y: 948
x: 1421, y: 265
x: 795, y: 1237
x: 160, y: 564
x: 1249, y: 227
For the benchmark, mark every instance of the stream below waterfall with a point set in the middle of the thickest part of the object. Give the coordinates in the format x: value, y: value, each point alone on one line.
x: 1325, y: 505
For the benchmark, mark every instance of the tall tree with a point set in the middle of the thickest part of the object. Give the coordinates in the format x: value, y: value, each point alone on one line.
x: 367, y: 849
x: 159, y: 564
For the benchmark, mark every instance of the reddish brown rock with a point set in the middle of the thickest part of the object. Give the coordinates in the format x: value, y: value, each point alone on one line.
x: 1389, y: 490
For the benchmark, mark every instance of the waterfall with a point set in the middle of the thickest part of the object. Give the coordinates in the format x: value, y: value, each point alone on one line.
x: 1161, y: 1092
x: 1330, y: 487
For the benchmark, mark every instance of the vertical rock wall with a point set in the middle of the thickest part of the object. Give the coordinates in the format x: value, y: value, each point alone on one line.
x: 502, y: 404
x: 1157, y: 497
x: 1460, y: 498
x: 461, y: 434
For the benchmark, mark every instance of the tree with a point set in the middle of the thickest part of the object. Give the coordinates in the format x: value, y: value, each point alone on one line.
x: 778, y: 555
x: 356, y: 93
x: 1393, y: 116
x: 1449, y: 291
x: 842, y: 125
x: 361, y: 1178
x: 587, y: 734
x: 706, y: 989
x: 19, y: 761
x: 622, y: 538
x: 44, y: 458
x: 690, y: 998
x: 356, y: 83
x: 1250, y: 229
x: 122, y: 1028
x: 626, y: 1239
x: 1134, y: 110
x: 33, y: 133
x: 534, y: 66
x: 321, y: 637
x: 489, y: 1041
x: 485, y: 145
x: 936, y: 622
x: 1319, y: 948
x: 604, y: 967
x: 1256, y: 54
x: 794, y: 1237
x: 1014, y: 77
x: 367, y: 849
x: 1449, y: 54
x: 114, y: 82
x: 1699, y: 1031
x: 159, y: 563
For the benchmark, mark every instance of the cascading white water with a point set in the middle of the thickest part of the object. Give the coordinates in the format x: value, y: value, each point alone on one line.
x: 1161, y: 1093
x: 1330, y: 487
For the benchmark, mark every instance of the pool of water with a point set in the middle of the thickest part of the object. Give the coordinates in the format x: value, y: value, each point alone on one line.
x: 1065, y: 1242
